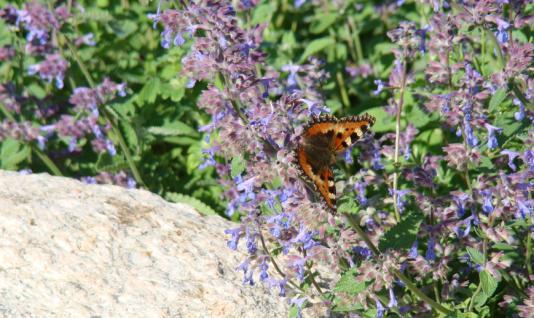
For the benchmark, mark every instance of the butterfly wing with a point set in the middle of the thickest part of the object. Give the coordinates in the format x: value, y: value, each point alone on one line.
x: 323, y: 180
x: 348, y: 130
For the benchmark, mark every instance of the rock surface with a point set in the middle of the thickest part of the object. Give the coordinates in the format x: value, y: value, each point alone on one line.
x: 68, y: 249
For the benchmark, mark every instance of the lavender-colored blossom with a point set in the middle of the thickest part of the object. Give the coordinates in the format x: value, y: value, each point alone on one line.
x: 392, y: 299
x: 360, y: 190
x: 460, y: 199
x: 487, y: 206
x: 236, y: 235
x: 52, y: 68
x: 413, y: 250
x: 492, y: 140
x: 263, y: 269
x: 379, y: 86
x: 87, y: 39
x: 430, y: 254
x: 511, y: 156
x: 380, y: 310
x: 520, y: 115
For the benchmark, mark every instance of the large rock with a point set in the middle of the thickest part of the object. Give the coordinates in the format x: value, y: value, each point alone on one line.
x: 68, y: 249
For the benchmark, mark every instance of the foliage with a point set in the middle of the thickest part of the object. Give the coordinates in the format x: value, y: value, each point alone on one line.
x: 54, y: 121
x: 435, y: 214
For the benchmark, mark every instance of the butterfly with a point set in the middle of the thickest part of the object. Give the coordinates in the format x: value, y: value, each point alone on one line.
x: 323, y: 139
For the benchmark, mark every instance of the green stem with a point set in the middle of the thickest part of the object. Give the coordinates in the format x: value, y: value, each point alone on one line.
x: 342, y: 89
x: 108, y: 117
x: 356, y: 37
x: 47, y: 161
x: 411, y: 286
x: 400, y: 104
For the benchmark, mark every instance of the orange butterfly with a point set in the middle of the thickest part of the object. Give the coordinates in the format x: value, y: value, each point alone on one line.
x: 323, y: 139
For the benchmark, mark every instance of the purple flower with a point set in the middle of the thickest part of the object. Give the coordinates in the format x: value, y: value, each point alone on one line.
x: 299, y: 3
x: 471, y: 139
x: 53, y: 67
x: 430, y: 254
x: 380, y: 310
x: 511, y: 156
x: 392, y: 299
x: 401, y: 203
x: 520, y: 115
x: 362, y: 252
x: 236, y: 235
x: 263, y: 269
x: 460, y: 198
x: 492, y: 140
x: 359, y: 186
x: 247, y: 273
x: 379, y: 86
x: 487, y: 206
x: 524, y: 208
x: 413, y: 250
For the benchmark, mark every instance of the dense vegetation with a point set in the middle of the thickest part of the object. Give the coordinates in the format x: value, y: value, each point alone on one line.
x: 204, y: 102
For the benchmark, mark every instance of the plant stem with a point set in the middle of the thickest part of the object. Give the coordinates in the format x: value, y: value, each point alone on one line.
x: 400, y: 104
x: 108, y: 118
x: 411, y: 286
x: 342, y: 89
x: 356, y: 37
x: 46, y: 160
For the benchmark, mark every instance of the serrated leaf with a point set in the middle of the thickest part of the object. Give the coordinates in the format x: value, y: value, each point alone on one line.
x: 497, y: 99
x: 238, y: 166
x: 316, y: 46
x: 149, y: 92
x: 129, y: 134
x: 489, y: 283
x: 475, y: 256
x: 402, y: 235
x: 174, y: 128
x: 194, y: 202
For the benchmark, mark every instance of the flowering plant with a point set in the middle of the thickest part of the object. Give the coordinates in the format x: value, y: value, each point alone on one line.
x: 435, y: 220
x: 81, y: 96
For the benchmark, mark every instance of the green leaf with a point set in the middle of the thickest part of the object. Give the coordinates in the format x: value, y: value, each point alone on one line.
x: 497, y: 98
x: 149, y: 92
x: 402, y: 235
x: 475, y: 255
x: 489, y: 283
x: 194, y: 202
x: 383, y: 120
x: 174, y: 128
x: 323, y: 22
x: 12, y: 153
x: 348, y: 284
x: 238, y: 166
x: 263, y: 12
x: 316, y: 46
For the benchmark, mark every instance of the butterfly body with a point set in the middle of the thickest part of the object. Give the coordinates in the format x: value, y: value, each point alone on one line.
x: 323, y: 139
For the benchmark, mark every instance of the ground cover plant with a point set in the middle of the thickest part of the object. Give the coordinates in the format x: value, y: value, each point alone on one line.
x: 434, y: 213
